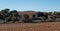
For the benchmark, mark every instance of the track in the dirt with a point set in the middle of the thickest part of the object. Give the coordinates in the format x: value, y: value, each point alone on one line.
x: 48, y: 26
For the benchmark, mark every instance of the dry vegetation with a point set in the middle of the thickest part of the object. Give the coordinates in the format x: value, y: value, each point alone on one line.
x: 45, y: 26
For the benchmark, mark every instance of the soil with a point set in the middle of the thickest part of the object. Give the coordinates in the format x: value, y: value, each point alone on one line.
x: 44, y: 26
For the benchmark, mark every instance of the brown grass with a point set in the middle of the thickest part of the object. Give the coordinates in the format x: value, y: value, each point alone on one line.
x: 48, y: 26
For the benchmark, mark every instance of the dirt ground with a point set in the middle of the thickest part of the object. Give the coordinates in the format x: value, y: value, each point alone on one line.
x: 45, y: 26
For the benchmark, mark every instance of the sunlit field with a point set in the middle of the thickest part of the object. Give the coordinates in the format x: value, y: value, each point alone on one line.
x: 48, y: 26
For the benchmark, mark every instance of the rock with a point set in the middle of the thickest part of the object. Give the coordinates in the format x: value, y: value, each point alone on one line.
x: 57, y: 19
x: 2, y: 21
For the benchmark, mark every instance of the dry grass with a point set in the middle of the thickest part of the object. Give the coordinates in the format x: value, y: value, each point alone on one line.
x: 48, y: 26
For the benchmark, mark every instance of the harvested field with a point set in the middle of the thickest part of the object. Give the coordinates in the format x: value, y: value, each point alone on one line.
x: 48, y: 26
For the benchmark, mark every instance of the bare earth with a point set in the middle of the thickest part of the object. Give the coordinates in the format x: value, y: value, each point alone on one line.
x: 47, y: 26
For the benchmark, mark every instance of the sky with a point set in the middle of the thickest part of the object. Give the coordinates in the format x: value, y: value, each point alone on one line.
x: 31, y: 5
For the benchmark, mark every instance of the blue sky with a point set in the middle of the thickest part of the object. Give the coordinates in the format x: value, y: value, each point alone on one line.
x: 34, y: 5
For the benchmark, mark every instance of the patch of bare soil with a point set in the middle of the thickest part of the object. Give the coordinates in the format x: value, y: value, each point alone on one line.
x: 48, y: 26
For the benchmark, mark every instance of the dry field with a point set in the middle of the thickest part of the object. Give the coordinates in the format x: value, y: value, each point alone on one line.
x: 45, y: 26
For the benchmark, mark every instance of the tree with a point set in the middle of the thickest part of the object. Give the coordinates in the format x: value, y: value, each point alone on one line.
x: 14, y: 16
x: 58, y: 14
x: 26, y: 18
x: 40, y: 14
x: 3, y: 14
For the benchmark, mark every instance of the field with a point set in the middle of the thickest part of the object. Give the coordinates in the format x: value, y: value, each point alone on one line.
x: 45, y: 26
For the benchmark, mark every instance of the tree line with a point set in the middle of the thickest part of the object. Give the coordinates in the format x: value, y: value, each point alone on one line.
x: 12, y: 16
